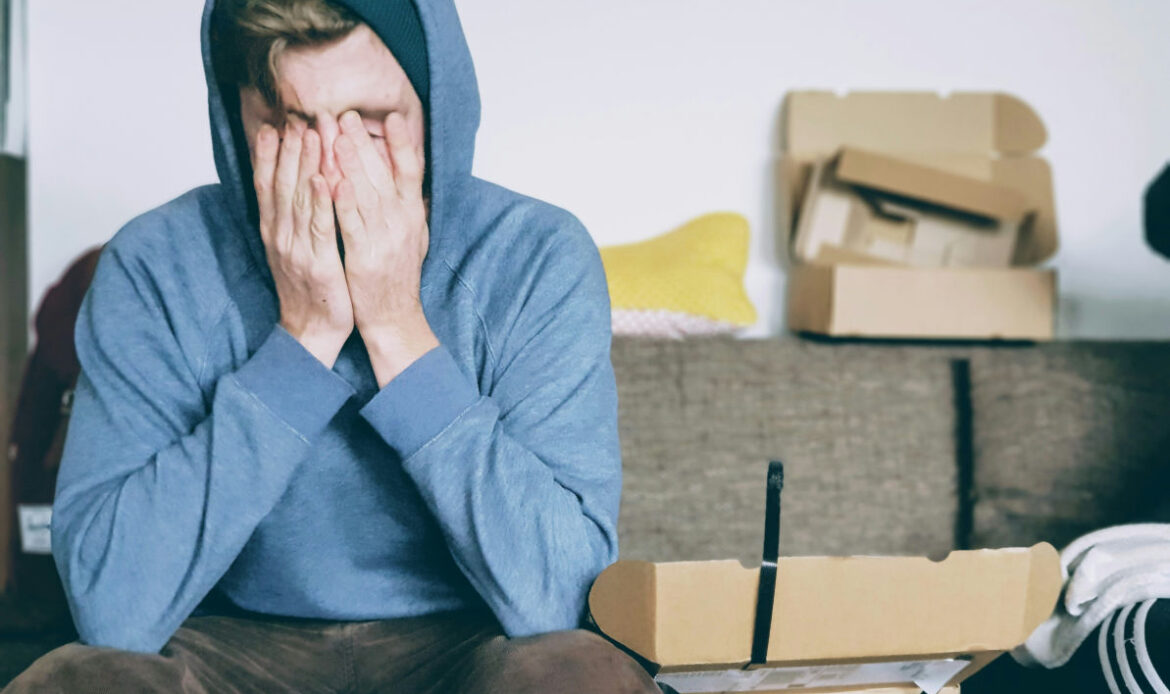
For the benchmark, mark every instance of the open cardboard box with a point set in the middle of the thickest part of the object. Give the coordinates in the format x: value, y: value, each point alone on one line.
x: 873, y: 207
x: 958, y: 261
x: 843, y: 624
x: 857, y: 624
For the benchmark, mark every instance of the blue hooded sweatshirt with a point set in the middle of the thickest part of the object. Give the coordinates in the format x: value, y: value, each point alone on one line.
x: 210, y: 454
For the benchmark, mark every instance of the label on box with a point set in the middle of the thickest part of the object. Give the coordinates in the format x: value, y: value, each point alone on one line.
x: 928, y: 675
x: 34, y: 528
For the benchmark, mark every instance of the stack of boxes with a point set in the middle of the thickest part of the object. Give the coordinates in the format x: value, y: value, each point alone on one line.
x: 913, y: 215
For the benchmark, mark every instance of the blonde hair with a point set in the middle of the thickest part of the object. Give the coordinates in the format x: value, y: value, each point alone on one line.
x: 249, y: 36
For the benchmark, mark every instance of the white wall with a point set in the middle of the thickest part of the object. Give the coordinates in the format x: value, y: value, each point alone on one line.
x: 639, y: 114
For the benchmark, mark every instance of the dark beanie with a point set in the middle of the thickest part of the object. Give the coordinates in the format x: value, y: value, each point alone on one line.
x: 397, y: 23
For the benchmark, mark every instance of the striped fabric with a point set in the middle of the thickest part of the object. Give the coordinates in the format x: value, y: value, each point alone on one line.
x: 1133, y: 647
x: 1104, y: 571
x: 1128, y: 653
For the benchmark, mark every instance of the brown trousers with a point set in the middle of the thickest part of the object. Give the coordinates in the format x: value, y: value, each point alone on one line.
x: 450, y: 653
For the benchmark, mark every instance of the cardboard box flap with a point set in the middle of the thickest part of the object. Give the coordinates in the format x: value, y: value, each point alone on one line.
x: 891, y: 174
x: 817, y: 123
x: 624, y: 599
x: 1033, y: 176
x: 1018, y: 129
x: 829, y: 608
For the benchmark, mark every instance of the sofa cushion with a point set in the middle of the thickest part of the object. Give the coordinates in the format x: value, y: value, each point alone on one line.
x: 867, y: 434
x: 1067, y: 438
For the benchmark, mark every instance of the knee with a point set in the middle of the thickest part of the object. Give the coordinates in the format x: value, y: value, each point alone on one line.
x: 78, y: 668
x: 46, y: 674
x: 575, y: 661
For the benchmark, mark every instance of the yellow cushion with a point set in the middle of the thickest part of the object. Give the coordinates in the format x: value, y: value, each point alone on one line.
x: 696, y: 270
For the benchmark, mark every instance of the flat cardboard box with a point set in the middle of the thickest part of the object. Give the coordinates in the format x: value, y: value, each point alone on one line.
x: 845, y: 615
x: 875, y: 301
x: 983, y: 137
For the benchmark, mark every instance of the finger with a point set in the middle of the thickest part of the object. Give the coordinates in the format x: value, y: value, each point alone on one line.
x: 408, y: 170
x: 366, y: 198
x: 377, y: 171
x: 349, y: 219
x: 322, y: 230
x: 286, y: 179
x: 263, y: 170
x: 310, y: 158
x: 308, y: 166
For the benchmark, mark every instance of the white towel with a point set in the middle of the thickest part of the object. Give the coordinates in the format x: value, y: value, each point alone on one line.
x: 1103, y: 571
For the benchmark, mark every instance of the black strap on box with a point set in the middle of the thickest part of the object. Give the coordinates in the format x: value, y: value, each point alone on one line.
x: 590, y: 624
x: 766, y: 599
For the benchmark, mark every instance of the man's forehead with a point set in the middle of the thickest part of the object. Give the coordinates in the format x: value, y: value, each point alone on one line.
x: 356, y: 72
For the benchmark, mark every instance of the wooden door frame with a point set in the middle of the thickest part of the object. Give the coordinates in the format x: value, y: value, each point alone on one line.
x: 14, y: 318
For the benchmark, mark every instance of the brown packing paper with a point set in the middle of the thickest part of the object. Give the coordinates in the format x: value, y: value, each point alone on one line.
x: 894, y: 210
x: 903, y: 176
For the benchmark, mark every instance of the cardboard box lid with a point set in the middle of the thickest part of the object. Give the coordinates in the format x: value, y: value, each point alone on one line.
x: 829, y: 608
x: 980, y: 123
x: 985, y: 135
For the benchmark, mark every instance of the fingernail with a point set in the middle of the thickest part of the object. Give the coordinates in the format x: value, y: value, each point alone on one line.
x: 351, y: 118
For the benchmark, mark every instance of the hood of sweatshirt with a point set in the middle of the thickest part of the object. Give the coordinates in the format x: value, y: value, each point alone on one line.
x: 452, y: 109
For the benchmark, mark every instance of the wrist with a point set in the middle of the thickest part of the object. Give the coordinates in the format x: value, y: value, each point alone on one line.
x: 325, y: 346
x: 392, y: 350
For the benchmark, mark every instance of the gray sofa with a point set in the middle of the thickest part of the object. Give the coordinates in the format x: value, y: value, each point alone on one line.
x: 889, y: 448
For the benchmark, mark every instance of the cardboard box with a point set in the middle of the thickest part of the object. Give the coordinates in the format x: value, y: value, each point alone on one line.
x: 883, y: 208
x: 858, y: 624
x: 893, y: 302
x: 891, y: 192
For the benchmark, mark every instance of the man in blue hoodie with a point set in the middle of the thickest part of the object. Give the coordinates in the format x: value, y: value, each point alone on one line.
x: 346, y: 421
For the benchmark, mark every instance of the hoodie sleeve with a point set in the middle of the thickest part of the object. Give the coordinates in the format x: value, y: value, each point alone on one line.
x: 160, y: 485
x: 525, y: 480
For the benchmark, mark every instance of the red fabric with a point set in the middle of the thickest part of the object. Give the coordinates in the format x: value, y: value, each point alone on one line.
x: 39, y: 424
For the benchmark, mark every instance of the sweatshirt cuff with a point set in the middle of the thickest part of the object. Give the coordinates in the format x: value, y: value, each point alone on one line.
x: 421, y: 401
x: 294, y: 384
